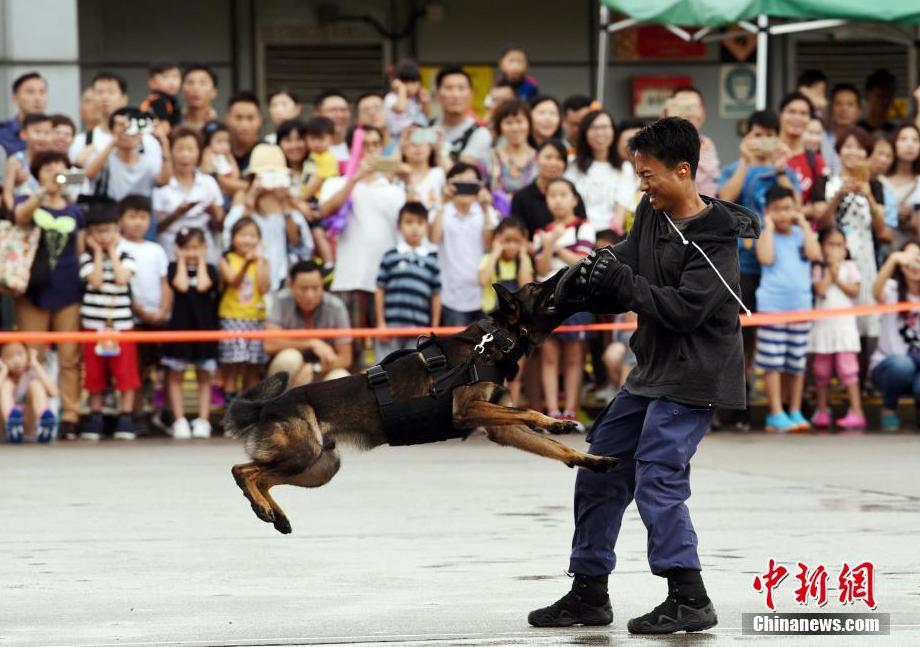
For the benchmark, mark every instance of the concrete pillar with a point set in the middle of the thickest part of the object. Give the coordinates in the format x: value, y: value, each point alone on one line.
x: 41, y: 35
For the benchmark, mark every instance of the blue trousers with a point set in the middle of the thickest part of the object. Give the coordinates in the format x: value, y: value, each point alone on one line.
x: 896, y: 375
x: 655, y: 440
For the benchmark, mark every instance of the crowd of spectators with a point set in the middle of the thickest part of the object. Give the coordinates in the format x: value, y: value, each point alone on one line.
x: 402, y: 208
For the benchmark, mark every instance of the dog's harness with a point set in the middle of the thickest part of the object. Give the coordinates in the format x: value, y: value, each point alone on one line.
x: 429, y: 418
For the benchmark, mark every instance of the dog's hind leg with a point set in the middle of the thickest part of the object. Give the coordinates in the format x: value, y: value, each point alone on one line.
x: 318, y: 473
x: 247, y: 477
x: 523, y: 438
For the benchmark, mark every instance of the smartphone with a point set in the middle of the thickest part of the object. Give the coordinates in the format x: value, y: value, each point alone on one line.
x: 73, y: 177
x: 467, y: 188
x: 767, y: 144
x: 387, y: 165
x: 861, y: 171
x: 681, y: 109
x: 423, y: 136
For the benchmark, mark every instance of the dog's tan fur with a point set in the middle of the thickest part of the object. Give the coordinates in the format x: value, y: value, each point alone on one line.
x: 291, y: 436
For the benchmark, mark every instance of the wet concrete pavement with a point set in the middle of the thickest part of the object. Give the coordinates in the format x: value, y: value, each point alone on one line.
x: 451, y: 544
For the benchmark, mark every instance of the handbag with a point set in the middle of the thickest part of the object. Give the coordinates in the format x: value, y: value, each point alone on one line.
x: 17, y: 252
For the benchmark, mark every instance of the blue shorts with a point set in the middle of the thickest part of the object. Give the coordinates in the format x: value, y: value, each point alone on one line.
x: 781, y: 348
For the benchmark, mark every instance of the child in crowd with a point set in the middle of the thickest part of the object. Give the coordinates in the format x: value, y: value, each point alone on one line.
x: 217, y: 157
x: 462, y: 228
x: 513, y: 66
x: 835, y: 342
x: 18, y: 180
x: 895, y: 364
x: 194, y: 283
x: 283, y: 105
x: 619, y: 359
x: 407, y: 103
x: 63, y: 131
x: 408, y: 283
x: 507, y: 265
x: 150, y: 293
x: 563, y: 242
x: 322, y: 163
x: 106, y: 269
x: 164, y: 80
x: 244, y: 272
x: 784, y: 249
x: 24, y: 383
x: 283, y: 228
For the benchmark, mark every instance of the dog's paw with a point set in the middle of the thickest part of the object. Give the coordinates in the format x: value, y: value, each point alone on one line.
x: 562, y: 427
x: 265, y: 514
x: 282, y: 525
x: 602, y: 464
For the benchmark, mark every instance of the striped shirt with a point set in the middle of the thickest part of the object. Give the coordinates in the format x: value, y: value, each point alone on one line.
x: 409, y: 277
x: 110, y: 305
x: 578, y: 237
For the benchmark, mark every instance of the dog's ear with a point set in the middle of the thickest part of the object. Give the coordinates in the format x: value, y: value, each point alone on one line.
x: 508, y: 303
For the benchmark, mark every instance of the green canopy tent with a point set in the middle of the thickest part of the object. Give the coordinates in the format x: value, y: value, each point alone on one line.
x: 752, y: 16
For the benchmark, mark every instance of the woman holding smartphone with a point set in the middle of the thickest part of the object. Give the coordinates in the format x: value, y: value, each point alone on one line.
x: 856, y: 204
x: 425, y: 178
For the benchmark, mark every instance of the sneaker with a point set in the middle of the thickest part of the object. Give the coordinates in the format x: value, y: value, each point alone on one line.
x: 851, y: 421
x: 201, y: 428
x: 124, y: 428
x: 46, y: 427
x: 780, y: 423
x: 570, y: 416
x: 93, y: 428
x: 671, y: 616
x: 67, y: 430
x: 586, y: 604
x: 180, y: 429
x: 821, y: 419
x: 801, y: 422
x: 891, y: 423
x: 15, y: 427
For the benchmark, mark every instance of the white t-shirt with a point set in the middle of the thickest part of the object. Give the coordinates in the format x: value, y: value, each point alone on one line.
x: 460, y: 252
x: 150, y: 268
x: 341, y: 152
x: 478, y: 146
x: 205, y: 191
x: 151, y: 151
x: 369, y: 232
x: 430, y: 191
x: 602, y: 188
x: 890, y: 340
x: 274, y: 239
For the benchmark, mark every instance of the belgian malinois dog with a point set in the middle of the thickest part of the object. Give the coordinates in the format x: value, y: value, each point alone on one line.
x: 292, y: 435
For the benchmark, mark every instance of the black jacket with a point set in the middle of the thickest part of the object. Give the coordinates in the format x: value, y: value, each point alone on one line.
x: 688, y: 343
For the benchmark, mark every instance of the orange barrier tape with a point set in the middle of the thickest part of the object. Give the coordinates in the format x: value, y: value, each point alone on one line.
x: 161, y: 336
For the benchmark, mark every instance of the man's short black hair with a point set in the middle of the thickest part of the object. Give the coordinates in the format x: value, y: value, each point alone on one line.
x: 319, y: 126
x: 413, y: 208
x: 328, y: 94
x: 778, y: 192
x: 34, y: 118
x: 463, y: 167
x: 158, y: 67
x: 304, y: 267
x: 810, y: 77
x: 845, y: 87
x: 671, y: 140
x: 451, y: 70
x: 200, y: 67
x: 63, y: 120
x: 45, y: 158
x: 289, y: 126
x: 575, y: 102
x: 102, y: 212
x: 881, y: 79
x: 134, y: 202
x: 22, y: 78
x: 766, y: 119
x: 243, y: 96
x: 797, y: 96
x: 115, y: 78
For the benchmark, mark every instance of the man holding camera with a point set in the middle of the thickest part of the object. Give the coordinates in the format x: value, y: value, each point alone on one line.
x: 678, y: 271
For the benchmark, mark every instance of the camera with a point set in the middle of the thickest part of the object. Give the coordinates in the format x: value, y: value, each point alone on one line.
x: 275, y: 179
x: 140, y: 124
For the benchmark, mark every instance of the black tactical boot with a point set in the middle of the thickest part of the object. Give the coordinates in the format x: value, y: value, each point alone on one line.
x: 687, y: 607
x: 586, y: 604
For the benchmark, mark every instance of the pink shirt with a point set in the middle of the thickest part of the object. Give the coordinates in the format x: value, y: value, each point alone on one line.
x: 708, y: 170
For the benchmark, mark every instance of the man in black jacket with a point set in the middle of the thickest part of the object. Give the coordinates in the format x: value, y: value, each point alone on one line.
x: 678, y: 271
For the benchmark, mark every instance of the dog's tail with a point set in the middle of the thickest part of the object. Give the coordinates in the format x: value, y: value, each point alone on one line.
x: 243, y: 414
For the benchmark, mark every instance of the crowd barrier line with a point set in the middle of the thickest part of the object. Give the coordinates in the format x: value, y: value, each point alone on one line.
x: 166, y: 336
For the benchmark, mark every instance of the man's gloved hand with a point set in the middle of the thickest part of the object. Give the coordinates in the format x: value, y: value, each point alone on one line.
x: 584, y: 280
